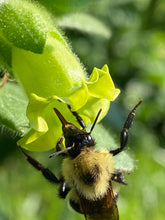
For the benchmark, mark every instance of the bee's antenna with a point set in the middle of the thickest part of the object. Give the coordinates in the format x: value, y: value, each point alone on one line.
x: 98, y: 114
x: 61, y: 151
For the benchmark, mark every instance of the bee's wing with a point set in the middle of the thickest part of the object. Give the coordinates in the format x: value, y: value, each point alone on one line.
x: 104, y: 209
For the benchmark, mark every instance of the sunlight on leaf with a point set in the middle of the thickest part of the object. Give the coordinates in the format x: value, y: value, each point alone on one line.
x: 85, y: 23
x: 13, y: 104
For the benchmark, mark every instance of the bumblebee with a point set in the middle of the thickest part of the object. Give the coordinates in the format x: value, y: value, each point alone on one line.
x: 87, y: 173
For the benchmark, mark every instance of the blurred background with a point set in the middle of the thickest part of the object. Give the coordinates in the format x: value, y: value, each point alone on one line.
x: 129, y: 36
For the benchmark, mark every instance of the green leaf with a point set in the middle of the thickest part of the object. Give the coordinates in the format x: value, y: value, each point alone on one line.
x: 5, y: 53
x: 65, y: 6
x: 84, y: 23
x: 13, y: 104
x: 23, y: 25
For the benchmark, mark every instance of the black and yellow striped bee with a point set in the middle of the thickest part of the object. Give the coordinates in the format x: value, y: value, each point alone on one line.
x: 87, y: 173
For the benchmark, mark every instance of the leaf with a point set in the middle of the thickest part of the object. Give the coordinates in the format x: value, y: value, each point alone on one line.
x: 23, y: 25
x: 13, y: 104
x: 5, y: 53
x: 65, y: 6
x: 85, y: 23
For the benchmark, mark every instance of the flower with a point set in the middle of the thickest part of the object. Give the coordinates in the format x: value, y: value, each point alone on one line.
x: 87, y: 99
x: 50, y: 74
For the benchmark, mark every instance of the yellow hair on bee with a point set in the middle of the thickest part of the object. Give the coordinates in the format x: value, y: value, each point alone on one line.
x: 89, y: 173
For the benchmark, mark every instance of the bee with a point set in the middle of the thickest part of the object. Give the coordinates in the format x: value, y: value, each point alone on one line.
x: 87, y: 173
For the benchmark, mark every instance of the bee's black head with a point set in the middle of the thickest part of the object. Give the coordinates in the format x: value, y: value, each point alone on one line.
x: 75, y: 138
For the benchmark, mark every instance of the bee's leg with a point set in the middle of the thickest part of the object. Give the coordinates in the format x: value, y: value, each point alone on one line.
x: 79, y: 119
x: 59, y: 142
x: 76, y: 206
x: 116, y: 196
x: 59, y: 150
x: 45, y: 171
x: 124, y: 132
x: 118, y: 177
x: 64, y: 189
x: 75, y: 202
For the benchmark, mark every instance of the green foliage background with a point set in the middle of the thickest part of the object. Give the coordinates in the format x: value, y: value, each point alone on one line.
x: 128, y: 35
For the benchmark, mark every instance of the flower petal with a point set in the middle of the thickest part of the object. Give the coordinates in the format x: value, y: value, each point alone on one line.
x: 100, y: 84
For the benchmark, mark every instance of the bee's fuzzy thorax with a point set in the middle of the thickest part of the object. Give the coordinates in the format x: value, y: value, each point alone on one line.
x: 90, y: 172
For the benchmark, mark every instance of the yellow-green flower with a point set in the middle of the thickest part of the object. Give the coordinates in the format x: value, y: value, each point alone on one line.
x: 50, y: 74
x: 87, y: 99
